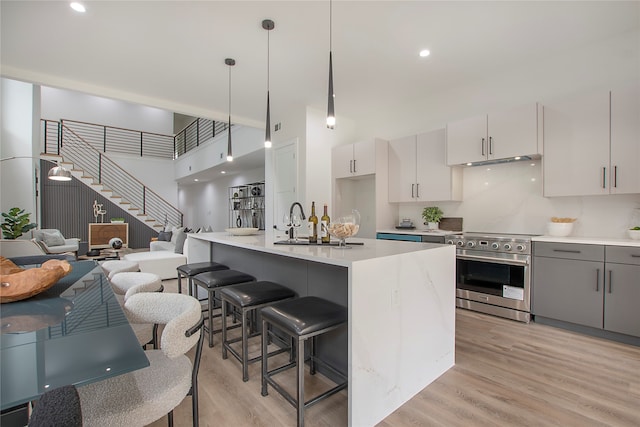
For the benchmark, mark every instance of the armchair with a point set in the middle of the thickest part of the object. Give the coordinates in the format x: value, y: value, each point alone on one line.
x: 53, y: 242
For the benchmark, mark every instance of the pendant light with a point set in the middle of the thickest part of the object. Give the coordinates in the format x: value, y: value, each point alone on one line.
x: 268, y: 25
x: 59, y: 173
x: 230, y: 62
x: 331, y: 116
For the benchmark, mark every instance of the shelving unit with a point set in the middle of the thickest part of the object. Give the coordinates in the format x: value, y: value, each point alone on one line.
x: 246, y: 205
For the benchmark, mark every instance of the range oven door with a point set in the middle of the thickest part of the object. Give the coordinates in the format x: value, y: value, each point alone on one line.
x: 498, y: 279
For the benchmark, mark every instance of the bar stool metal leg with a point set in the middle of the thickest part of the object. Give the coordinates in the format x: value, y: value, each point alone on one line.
x: 265, y: 367
x: 300, y: 378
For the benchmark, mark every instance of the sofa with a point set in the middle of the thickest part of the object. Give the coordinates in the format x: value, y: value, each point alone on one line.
x: 164, y: 256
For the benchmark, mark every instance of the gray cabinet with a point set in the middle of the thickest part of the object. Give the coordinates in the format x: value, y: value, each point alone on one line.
x: 567, y: 282
x: 588, y: 285
x: 622, y: 290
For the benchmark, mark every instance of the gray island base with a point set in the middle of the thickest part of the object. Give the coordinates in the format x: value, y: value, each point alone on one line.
x: 400, y: 335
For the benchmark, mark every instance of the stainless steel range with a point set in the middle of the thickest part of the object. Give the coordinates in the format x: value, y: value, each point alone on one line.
x: 493, y: 274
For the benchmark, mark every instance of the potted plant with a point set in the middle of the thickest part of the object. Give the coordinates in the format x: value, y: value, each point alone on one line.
x: 117, y: 220
x: 432, y: 216
x: 16, y: 223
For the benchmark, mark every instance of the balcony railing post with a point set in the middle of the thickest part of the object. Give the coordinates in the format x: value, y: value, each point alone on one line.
x: 144, y: 200
x: 104, y: 139
x: 100, y: 168
x: 141, y: 144
x: 197, y: 132
x: 60, y: 135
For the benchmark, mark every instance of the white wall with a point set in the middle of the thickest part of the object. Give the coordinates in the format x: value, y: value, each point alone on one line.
x: 20, y: 112
x: 65, y: 104
x: 507, y: 198
x: 207, y: 204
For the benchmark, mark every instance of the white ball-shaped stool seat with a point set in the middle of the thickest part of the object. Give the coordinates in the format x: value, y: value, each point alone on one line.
x: 111, y: 268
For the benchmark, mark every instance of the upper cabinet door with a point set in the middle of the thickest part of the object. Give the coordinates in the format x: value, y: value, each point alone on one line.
x: 402, y: 169
x: 513, y: 132
x: 625, y: 141
x: 364, y: 158
x: 576, y: 145
x: 467, y: 140
x: 342, y: 161
x: 435, y: 181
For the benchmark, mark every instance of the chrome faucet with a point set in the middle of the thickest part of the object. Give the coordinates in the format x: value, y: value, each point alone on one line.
x: 293, y: 205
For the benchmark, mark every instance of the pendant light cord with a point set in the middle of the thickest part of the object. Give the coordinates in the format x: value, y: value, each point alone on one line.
x: 330, y: 25
x: 268, y: 58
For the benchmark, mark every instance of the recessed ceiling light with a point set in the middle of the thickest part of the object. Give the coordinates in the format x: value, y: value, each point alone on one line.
x: 517, y: 158
x: 223, y: 171
x: 424, y: 53
x: 78, y: 7
x: 196, y: 180
x: 469, y: 164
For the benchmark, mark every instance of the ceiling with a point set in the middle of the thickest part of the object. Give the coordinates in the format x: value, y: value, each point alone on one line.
x: 170, y: 54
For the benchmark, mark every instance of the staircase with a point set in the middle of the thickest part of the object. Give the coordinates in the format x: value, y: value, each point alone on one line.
x: 94, y: 169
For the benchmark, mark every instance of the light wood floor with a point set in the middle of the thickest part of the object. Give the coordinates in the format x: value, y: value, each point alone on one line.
x: 506, y: 374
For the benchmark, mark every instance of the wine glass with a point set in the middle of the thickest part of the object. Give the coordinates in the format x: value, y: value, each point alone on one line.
x: 286, y: 223
x: 296, y: 222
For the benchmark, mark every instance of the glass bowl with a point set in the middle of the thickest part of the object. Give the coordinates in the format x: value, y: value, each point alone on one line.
x: 345, y: 226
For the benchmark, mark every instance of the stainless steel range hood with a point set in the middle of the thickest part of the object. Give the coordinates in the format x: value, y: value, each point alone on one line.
x: 505, y: 160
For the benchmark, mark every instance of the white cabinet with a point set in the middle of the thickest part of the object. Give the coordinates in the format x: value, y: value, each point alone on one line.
x: 418, y: 170
x: 591, y: 144
x: 353, y: 159
x: 499, y: 135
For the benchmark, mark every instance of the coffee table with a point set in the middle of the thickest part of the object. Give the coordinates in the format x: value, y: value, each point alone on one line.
x: 105, y: 254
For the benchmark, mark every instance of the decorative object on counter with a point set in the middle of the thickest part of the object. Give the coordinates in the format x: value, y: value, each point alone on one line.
x: 432, y: 216
x: 406, y: 224
x: 246, y: 231
x: 634, y: 233
x: 239, y: 222
x: 560, y: 227
x: 98, y: 210
x: 230, y: 62
x: 451, y: 224
x: 268, y: 25
x: 345, y: 226
x: 16, y: 223
x: 117, y: 220
x: 18, y: 283
x: 115, y: 243
x: 331, y: 115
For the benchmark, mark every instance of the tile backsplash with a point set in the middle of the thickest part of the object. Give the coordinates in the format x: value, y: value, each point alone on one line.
x: 507, y: 198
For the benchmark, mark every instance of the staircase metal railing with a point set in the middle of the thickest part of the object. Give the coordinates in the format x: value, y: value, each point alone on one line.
x: 105, y: 171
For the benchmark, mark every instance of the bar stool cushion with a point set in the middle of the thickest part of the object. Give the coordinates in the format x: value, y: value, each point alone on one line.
x: 214, y: 279
x: 111, y: 268
x: 200, y: 267
x: 129, y: 283
x: 256, y: 293
x: 305, y: 315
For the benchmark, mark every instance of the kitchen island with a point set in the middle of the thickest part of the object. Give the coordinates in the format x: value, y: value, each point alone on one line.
x: 400, y: 334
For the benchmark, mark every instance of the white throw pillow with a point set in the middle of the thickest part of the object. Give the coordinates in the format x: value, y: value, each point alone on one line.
x: 52, y: 238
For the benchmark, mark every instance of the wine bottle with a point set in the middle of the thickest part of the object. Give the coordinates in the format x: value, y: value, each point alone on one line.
x: 325, y: 220
x: 313, y: 225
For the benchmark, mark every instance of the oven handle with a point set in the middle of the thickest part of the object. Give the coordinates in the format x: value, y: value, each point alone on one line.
x: 493, y: 260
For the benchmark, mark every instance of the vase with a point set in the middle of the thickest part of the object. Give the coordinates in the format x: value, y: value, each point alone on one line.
x: 432, y: 225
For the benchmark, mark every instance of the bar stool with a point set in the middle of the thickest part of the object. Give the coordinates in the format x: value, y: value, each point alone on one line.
x: 248, y: 297
x: 187, y: 271
x: 302, y: 319
x: 213, y: 281
x: 111, y: 268
x: 124, y: 285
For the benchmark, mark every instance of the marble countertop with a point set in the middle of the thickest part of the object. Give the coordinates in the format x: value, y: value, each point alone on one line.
x: 588, y: 240
x: 370, y: 249
x: 419, y: 232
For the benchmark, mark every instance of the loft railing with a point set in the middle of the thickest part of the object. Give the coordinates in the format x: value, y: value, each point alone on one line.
x: 195, y: 133
x: 138, y: 143
x: 60, y: 139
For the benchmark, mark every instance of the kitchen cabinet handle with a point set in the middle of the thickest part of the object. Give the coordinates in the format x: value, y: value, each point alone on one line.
x: 597, y: 279
x: 604, y: 177
x: 354, y: 165
x: 610, y: 272
x: 569, y: 251
x: 482, y: 146
x: 490, y: 145
x: 635, y: 256
x: 350, y: 166
x: 615, y: 177
x: 418, y: 191
x: 412, y: 190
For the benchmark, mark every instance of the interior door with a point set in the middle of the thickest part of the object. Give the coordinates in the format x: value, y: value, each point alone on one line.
x: 285, y: 184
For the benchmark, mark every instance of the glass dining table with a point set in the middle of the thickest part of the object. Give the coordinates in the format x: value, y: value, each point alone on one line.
x: 73, y: 333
